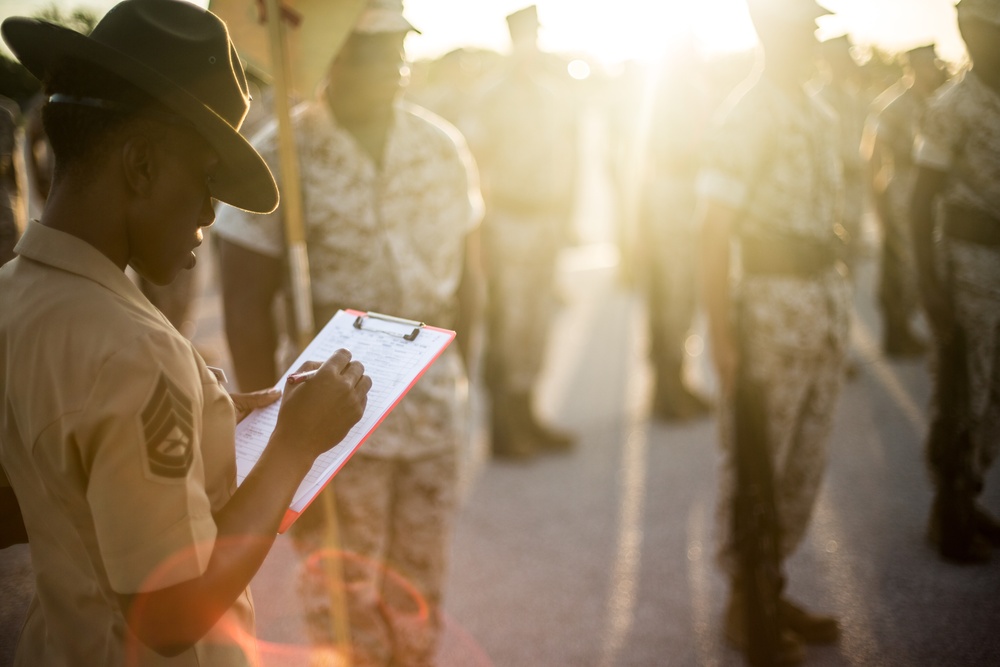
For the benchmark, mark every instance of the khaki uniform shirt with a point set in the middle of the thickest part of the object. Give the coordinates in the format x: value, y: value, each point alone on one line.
x: 775, y: 157
x: 118, y: 442
x: 523, y: 132
x: 389, y: 239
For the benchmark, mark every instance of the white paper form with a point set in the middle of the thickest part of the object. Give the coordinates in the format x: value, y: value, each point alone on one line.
x: 392, y: 362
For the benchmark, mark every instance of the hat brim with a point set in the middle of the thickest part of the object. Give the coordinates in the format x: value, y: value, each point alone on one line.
x: 242, y: 178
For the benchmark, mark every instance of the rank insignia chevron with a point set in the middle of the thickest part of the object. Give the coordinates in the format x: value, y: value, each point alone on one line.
x: 168, y: 425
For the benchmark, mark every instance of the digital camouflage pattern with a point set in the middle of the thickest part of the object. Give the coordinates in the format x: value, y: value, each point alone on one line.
x: 390, y: 239
x: 961, y: 135
x: 775, y: 157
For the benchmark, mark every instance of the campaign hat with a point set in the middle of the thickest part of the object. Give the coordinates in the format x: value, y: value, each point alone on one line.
x: 180, y: 55
x: 526, y: 16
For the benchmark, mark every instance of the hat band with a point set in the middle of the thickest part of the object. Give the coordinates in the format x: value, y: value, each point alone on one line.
x: 118, y: 107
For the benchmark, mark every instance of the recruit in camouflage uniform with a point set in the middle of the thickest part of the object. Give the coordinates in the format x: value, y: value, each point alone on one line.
x: 773, y: 180
x: 668, y: 239
x: 390, y: 237
x: 522, y: 131
x: 890, y: 133
x: 958, y: 157
x: 844, y: 95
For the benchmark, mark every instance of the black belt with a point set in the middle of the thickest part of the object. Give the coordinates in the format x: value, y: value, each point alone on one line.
x: 787, y: 256
x: 972, y: 225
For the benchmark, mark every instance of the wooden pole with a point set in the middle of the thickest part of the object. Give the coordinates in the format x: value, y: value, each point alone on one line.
x: 298, y: 262
x: 291, y: 186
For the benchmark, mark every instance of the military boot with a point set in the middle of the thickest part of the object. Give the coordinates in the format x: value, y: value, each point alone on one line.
x: 510, y: 430
x: 955, y: 529
x: 790, y: 650
x: 987, y: 525
x: 899, y: 340
x: 545, y: 437
x: 812, y: 628
x: 673, y: 400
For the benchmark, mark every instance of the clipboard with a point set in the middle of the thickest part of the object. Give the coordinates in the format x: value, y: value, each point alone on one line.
x: 395, y: 352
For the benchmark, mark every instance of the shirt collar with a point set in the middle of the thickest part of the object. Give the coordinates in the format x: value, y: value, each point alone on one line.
x: 68, y: 253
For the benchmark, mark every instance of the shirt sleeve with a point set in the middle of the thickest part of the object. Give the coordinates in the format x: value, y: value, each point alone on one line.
x: 140, y: 442
x: 263, y: 234
x: 941, y: 134
x: 735, y: 151
x: 467, y: 178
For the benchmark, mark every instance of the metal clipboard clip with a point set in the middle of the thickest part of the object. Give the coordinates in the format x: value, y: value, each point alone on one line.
x: 417, y: 326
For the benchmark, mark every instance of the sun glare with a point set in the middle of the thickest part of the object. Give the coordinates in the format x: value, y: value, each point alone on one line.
x: 608, y: 33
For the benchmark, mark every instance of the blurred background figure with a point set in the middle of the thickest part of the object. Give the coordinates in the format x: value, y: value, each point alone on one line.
x: 958, y: 175
x: 523, y: 133
x: 891, y: 130
x: 773, y: 182
x: 671, y: 139
x: 450, y: 82
x: 11, y: 212
x: 843, y: 90
x: 391, y: 210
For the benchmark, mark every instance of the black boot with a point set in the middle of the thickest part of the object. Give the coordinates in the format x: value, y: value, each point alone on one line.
x: 789, y: 651
x: 544, y: 437
x: 673, y: 400
x: 953, y: 528
x: 509, y: 430
x: 813, y: 628
x: 900, y: 342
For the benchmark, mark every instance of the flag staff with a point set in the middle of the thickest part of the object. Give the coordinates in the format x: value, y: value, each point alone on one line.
x: 298, y: 264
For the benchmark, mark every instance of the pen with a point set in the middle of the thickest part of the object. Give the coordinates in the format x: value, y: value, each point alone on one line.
x: 296, y: 378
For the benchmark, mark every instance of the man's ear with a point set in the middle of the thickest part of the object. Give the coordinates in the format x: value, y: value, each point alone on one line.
x: 138, y: 163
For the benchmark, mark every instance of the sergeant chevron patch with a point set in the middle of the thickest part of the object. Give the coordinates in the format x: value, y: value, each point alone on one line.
x: 168, y: 425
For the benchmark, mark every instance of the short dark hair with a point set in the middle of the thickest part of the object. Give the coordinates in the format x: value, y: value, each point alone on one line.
x: 77, y: 132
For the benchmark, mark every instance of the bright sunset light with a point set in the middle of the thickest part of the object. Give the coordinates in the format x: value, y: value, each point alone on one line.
x: 612, y: 32
x: 608, y: 32
x: 645, y: 29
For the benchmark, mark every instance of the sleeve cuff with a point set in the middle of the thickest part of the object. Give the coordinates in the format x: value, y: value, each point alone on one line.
x: 926, y: 154
x: 188, y: 547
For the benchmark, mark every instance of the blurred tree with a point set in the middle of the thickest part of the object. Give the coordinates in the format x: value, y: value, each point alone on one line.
x: 15, y: 81
x: 81, y: 20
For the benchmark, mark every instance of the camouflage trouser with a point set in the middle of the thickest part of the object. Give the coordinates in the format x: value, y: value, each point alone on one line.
x: 975, y: 276
x: 667, y: 250
x: 671, y: 296
x: 521, y: 253
x: 394, y: 520
x: 897, y: 289
x: 796, y: 338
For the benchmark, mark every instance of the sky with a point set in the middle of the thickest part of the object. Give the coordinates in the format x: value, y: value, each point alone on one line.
x: 612, y: 32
